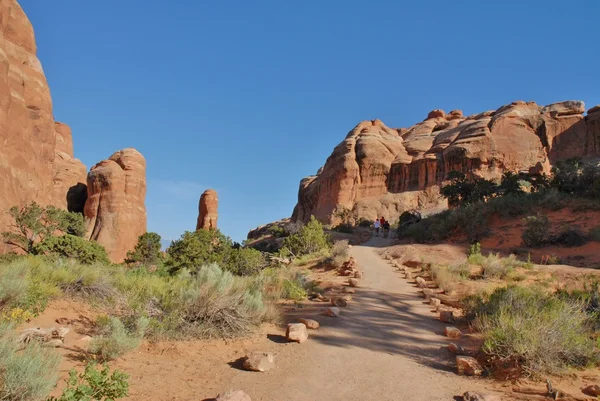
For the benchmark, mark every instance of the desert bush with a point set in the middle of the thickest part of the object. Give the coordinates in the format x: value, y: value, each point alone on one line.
x: 147, y: 251
x: 196, y: 249
x: 444, y: 278
x: 570, y: 237
x: 474, y: 256
x: 462, y: 270
x: 94, y: 384
x: 118, y: 339
x: 71, y: 246
x: 595, y: 234
x: 494, y: 266
x: 245, y: 261
x: 309, y: 239
x: 364, y: 223
x: 27, y: 374
x: 277, y: 231
x: 344, y: 228
x: 340, y: 252
x: 536, y: 232
x: 462, y: 191
x: 541, y: 332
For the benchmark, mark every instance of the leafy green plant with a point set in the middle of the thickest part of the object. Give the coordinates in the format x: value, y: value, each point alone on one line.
x: 309, y: 239
x: 198, y: 248
x: 71, y: 246
x: 474, y: 256
x: 94, y: 385
x: 117, y: 339
x: 570, y: 237
x: 147, y: 251
x: 26, y: 374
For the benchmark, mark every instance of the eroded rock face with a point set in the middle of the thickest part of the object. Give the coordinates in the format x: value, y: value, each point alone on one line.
x: 115, y: 207
x: 36, y: 159
x: 379, y: 171
x: 208, y: 213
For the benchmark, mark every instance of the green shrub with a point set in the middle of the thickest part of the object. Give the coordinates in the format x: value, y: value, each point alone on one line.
x: 462, y: 270
x: 196, y: 249
x: 365, y: 223
x: 28, y: 374
x: 340, y: 252
x: 536, y: 232
x: 595, y: 234
x: 570, y: 238
x: 94, y: 385
x: 245, y: 261
x: 542, y: 333
x: 71, y: 246
x: 474, y: 256
x: 147, y: 251
x: 344, y: 228
x: 277, y: 231
x: 496, y: 267
x: 117, y: 339
x: 444, y: 278
x: 309, y: 239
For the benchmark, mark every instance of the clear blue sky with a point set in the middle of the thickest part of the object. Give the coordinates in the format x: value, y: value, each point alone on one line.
x: 248, y: 97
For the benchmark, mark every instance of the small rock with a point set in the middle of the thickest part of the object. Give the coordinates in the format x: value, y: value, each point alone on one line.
x: 421, y: 283
x: 452, y: 332
x: 54, y: 343
x: 435, y: 302
x: 348, y: 290
x: 322, y: 298
x: 471, y: 396
x: 259, y: 361
x: 409, y: 275
x: 234, y: 395
x: 346, y: 298
x: 338, y: 301
x: 447, y: 316
x: 332, y: 312
x: 455, y: 349
x: 593, y: 390
x: 358, y: 274
x: 427, y: 293
x: 468, y: 366
x: 348, y: 273
x: 309, y: 323
x: 353, y: 282
x: 296, y: 332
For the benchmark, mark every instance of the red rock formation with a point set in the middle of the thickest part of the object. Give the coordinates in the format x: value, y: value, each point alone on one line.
x: 115, y: 206
x: 381, y: 171
x: 36, y: 159
x: 208, y: 212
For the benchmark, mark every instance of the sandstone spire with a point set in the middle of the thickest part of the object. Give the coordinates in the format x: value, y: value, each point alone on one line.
x: 208, y: 210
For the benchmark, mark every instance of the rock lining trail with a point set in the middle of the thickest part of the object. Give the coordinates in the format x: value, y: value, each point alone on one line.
x: 386, y: 345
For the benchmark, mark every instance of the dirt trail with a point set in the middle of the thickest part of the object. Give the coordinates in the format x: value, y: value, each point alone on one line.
x: 386, y: 345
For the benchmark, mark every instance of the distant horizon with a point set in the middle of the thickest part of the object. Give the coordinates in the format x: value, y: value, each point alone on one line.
x: 255, y: 96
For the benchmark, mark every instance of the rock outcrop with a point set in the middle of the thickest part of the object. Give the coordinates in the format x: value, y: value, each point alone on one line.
x: 36, y: 157
x: 380, y: 171
x: 115, y: 206
x: 208, y: 213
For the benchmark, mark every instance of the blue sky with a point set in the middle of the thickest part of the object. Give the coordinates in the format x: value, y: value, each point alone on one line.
x: 248, y: 97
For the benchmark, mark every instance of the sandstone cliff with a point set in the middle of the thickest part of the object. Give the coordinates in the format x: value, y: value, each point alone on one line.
x: 36, y: 156
x: 115, y: 207
x: 378, y: 170
x: 208, y: 212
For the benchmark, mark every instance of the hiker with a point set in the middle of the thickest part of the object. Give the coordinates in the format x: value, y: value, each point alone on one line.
x: 386, y: 229
x: 376, y: 225
x: 381, y: 221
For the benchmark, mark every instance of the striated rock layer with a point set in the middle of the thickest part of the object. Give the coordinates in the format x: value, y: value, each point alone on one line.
x: 380, y: 171
x: 208, y: 212
x: 115, y: 207
x: 36, y: 156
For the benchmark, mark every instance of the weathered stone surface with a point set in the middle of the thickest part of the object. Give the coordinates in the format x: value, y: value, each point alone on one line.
x: 452, y: 332
x: 115, y: 207
x: 259, y: 361
x: 50, y: 335
x: 348, y: 290
x: 358, y: 274
x: 592, y: 390
x: 332, y: 312
x: 455, y: 349
x: 421, y: 283
x: 208, y: 213
x: 338, y: 301
x: 36, y: 156
x: 234, y: 395
x: 447, y: 316
x: 472, y: 396
x: 379, y: 171
x: 296, y: 332
x: 309, y: 323
x: 435, y: 302
x: 468, y: 366
x: 353, y: 282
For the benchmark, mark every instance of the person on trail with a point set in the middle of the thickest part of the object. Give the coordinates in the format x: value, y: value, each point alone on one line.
x: 381, y: 221
x: 376, y: 226
x: 386, y: 229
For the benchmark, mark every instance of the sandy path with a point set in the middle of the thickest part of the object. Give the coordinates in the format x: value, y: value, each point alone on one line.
x: 386, y: 345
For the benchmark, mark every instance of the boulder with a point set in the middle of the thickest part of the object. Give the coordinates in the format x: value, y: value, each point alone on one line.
x: 447, y: 316
x: 592, y: 390
x: 437, y: 113
x: 52, y: 336
x: 452, y: 332
x: 358, y: 274
x: 332, y: 312
x: 353, y: 282
x: 208, y: 213
x: 234, y: 395
x: 468, y: 366
x: 455, y: 349
x: 421, y: 283
x: 435, y: 302
x: 296, y: 332
x: 309, y: 323
x: 472, y: 396
x: 338, y: 301
x: 115, y: 208
x: 348, y: 290
x: 259, y: 361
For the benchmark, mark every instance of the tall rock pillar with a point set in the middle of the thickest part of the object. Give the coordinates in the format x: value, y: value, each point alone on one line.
x: 208, y: 210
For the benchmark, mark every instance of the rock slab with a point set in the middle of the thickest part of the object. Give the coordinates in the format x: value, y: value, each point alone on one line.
x: 296, y: 332
x: 309, y: 323
x: 259, y: 361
